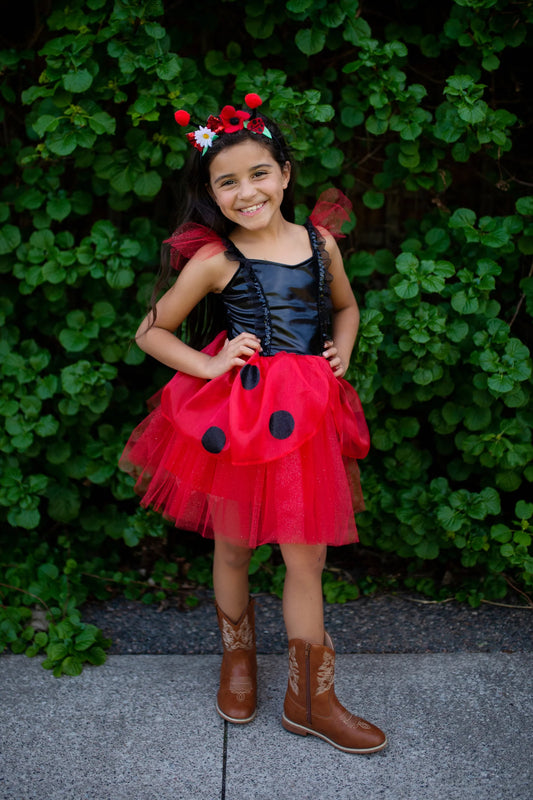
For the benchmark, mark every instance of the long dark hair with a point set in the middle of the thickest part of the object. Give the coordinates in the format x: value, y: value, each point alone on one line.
x: 206, y: 319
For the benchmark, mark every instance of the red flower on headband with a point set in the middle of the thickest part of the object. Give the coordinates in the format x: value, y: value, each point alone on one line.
x: 233, y: 120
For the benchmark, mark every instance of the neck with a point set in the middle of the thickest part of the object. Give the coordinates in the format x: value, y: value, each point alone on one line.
x: 276, y: 231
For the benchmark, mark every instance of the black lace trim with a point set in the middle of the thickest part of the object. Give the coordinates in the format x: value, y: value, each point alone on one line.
x: 324, y: 278
x: 263, y: 316
x: 263, y: 319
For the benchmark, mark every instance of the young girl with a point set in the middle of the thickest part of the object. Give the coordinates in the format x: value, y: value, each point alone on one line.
x: 256, y: 437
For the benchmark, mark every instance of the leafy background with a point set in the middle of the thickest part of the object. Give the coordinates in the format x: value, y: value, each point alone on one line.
x: 421, y: 113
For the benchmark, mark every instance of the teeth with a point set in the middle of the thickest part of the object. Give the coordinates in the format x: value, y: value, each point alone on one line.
x: 251, y: 208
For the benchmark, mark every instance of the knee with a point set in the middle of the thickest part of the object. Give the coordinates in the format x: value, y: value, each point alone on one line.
x: 233, y: 556
x: 304, y: 560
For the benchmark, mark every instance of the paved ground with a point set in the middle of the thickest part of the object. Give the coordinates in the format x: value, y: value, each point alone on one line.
x: 144, y: 727
x: 451, y: 686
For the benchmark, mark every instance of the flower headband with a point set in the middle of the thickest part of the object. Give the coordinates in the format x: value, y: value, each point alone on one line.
x: 228, y: 121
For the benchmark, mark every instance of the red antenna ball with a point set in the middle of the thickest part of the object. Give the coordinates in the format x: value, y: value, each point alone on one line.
x: 253, y: 100
x: 182, y: 117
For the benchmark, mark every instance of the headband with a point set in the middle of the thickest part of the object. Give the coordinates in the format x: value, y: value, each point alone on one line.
x: 228, y: 121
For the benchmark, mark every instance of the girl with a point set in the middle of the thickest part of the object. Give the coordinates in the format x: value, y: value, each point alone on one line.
x: 256, y: 437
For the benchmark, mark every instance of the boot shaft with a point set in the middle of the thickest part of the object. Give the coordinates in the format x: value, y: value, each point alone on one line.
x: 311, y: 677
x: 238, y: 635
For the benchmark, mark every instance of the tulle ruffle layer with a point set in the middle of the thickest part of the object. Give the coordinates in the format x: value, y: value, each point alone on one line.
x: 266, y: 453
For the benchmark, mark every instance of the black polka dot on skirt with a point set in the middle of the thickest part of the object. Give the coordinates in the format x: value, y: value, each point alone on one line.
x: 281, y: 424
x: 214, y: 439
x: 249, y: 376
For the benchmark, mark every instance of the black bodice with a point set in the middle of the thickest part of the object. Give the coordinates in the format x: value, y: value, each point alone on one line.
x: 287, y: 306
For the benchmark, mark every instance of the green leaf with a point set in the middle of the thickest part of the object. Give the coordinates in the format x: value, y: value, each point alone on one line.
x: 155, y: 30
x: 524, y: 205
x: 351, y: 117
x: 427, y: 549
x: 524, y: 510
x: 64, y: 503
x: 57, y: 651
x: 147, y: 184
x: 86, y: 639
x: 77, y: 81
x: 310, y: 40
x: 373, y: 199
x: 298, y: 6
x: 500, y: 383
x: 48, y: 571
x: 72, y: 665
x: 9, y: 238
x: 169, y: 69
x: 73, y: 341
x: 28, y: 519
x: 406, y: 289
x: 332, y: 158
x: 462, y: 218
x: 58, y: 208
x: 62, y: 144
x: 96, y: 656
x: 473, y: 114
x: 120, y: 278
x: 407, y: 263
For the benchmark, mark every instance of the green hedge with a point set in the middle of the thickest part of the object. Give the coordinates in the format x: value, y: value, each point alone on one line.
x: 420, y: 115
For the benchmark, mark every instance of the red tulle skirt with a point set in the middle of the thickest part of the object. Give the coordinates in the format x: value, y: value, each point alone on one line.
x: 264, y: 453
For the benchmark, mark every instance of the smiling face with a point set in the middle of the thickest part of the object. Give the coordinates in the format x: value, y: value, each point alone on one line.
x: 248, y: 184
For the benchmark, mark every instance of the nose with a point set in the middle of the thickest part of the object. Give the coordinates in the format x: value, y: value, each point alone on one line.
x: 246, y: 190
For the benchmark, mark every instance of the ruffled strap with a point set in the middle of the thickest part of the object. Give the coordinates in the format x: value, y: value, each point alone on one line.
x: 188, y: 239
x: 331, y: 211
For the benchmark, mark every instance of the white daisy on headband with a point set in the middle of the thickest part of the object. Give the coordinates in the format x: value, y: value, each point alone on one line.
x: 204, y: 136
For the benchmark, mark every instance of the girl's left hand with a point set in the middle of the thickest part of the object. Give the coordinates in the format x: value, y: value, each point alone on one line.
x: 335, y: 361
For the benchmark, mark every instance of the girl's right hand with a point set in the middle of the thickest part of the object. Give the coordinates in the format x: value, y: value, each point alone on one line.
x: 235, y: 353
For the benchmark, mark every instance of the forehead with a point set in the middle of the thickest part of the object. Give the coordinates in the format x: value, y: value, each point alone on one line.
x: 240, y: 157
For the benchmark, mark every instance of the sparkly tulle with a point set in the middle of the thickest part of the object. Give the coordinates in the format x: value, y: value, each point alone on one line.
x: 301, y: 488
x: 331, y: 211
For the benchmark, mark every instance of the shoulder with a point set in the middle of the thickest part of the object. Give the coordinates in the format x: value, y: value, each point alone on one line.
x: 210, y: 267
x: 331, y: 244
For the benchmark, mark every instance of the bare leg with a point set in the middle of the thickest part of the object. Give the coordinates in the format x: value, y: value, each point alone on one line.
x: 230, y: 578
x: 303, y: 609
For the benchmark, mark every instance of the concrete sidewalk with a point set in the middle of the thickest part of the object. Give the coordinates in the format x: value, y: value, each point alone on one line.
x: 144, y: 728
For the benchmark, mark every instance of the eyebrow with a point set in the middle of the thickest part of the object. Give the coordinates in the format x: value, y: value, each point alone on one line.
x: 231, y: 174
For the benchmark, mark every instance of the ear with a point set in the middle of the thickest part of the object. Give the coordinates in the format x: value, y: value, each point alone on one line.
x: 286, y: 174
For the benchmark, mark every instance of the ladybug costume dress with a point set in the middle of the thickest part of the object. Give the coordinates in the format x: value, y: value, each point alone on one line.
x: 266, y: 452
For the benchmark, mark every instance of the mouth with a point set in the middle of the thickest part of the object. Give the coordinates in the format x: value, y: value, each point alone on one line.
x: 251, y: 210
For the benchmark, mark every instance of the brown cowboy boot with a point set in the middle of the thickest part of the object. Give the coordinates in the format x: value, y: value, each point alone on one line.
x: 311, y: 705
x: 237, y: 696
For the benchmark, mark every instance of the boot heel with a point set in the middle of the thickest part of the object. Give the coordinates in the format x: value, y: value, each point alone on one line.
x: 292, y: 727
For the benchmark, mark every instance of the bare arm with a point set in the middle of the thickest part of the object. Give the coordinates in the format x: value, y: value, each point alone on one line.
x: 345, y: 314
x: 198, y: 277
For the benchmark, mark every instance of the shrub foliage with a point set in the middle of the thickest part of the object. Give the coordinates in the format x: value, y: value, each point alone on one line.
x: 420, y: 114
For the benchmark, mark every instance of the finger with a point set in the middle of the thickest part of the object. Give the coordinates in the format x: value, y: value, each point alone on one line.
x: 247, y: 335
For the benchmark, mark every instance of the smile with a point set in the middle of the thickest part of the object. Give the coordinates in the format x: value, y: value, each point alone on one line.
x: 251, y: 209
